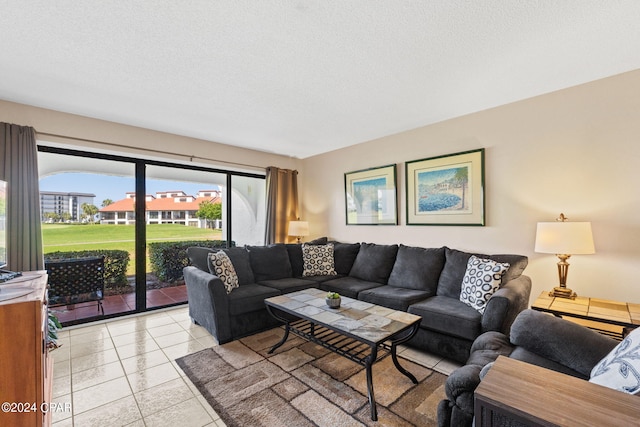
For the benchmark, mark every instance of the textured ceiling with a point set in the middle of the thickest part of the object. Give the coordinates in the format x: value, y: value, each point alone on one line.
x: 303, y: 77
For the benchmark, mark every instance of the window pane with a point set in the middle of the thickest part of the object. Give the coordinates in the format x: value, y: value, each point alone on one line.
x: 181, y: 206
x: 72, y: 204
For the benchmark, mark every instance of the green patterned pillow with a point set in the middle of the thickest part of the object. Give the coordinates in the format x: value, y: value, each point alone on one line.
x: 221, y: 266
x: 318, y: 260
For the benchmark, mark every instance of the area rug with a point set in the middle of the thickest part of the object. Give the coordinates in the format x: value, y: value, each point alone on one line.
x: 303, y: 384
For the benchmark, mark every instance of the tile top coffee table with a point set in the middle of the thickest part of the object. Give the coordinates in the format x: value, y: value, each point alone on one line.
x: 358, y: 330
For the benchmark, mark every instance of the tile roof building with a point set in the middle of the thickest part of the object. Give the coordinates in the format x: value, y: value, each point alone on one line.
x: 166, y: 207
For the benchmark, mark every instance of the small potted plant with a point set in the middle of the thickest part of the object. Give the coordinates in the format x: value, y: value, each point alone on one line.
x: 333, y: 299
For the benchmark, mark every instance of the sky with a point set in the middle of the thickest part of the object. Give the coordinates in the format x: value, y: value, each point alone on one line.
x: 111, y: 187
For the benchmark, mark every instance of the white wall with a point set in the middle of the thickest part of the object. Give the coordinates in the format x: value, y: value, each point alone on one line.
x: 575, y: 151
x: 78, y: 133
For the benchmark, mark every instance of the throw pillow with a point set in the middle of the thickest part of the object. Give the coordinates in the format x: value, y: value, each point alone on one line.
x: 480, y: 281
x: 318, y: 260
x: 620, y: 369
x: 221, y: 266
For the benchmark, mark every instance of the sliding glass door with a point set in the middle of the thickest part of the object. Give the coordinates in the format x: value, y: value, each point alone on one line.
x: 141, y: 215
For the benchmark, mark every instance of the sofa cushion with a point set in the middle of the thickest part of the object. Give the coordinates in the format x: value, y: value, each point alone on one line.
x: 344, y: 254
x: 417, y: 268
x: 295, y: 258
x: 221, y: 266
x: 393, y: 297
x: 450, y: 282
x: 374, y: 262
x: 199, y: 257
x: 620, y: 369
x: 270, y: 262
x: 348, y: 286
x: 448, y: 316
x: 318, y: 260
x: 248, y: 298
x: 240, y: 259
x: 481, y: 280
x: 290, y: 284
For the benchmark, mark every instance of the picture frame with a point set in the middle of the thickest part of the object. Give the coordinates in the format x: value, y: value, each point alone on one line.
x: 371, y: 196
x: 446, y: 190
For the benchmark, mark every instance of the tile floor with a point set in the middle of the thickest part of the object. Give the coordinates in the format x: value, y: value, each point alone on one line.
x: 123, y: 372
x: 114, y: 304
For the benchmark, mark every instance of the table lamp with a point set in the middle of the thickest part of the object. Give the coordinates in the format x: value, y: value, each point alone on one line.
x: 564, y: 239
x: 298, y: 229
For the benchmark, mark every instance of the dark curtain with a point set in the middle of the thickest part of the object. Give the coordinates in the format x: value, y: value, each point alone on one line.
x: 282, y: 203
x: 19, y: 167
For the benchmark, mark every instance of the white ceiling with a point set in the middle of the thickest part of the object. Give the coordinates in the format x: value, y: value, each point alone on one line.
x: 304, y: 77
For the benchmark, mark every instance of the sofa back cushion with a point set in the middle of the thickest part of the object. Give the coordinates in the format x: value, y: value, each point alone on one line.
x: 417, y: 268
x: 199, y: 257
x: 295, y: 259
x: 270, y: 262
x: 450, y: 282
x: 344, y: 255
x: 374, y: 262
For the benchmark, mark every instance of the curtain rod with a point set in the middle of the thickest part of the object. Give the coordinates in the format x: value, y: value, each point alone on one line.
x: 112, y: 144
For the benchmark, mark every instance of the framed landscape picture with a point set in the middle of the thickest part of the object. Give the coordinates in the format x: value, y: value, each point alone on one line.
x: 370, y: 196
x: 446, y: 190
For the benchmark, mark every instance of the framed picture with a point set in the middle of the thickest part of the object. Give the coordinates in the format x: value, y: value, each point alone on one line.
x: 370, y: 196
x: 446, y: 190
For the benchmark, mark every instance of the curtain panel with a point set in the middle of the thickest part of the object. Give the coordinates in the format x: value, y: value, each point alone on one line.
x: 19, y: 167
x: 282, y: 204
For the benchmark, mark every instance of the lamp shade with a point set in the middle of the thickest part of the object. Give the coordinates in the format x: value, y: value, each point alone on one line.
x: 298, y: 228
x: 564, y: 238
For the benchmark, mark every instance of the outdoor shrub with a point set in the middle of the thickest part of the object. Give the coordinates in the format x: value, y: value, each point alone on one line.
x: 169, y: 258
x: 115, y: 263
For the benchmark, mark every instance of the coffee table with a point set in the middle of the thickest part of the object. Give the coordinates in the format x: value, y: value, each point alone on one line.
x: 358, y: 330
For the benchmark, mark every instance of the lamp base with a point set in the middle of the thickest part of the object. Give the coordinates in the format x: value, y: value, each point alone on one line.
x: 562, y: 293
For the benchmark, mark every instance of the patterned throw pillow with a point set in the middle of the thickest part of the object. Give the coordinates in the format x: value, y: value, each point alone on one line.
x: 482, y: 278
x: 318, y: 260
x: 221, y: 266
x: 620, y: 369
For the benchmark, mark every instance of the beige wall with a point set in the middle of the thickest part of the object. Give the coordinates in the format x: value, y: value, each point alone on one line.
x: 134, y: 141
x: 575, y: 151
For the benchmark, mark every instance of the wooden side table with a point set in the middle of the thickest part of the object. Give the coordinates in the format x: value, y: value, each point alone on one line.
x: 518, y: 393
x: 612, y: 318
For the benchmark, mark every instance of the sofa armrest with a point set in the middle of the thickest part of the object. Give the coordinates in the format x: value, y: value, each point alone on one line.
x: 461, y: 385
x: 508, y: 301
x: 560, y: 340
x: 208, y: 302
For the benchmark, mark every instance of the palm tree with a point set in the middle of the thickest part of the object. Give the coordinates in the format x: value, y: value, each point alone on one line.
x: 461, y: 178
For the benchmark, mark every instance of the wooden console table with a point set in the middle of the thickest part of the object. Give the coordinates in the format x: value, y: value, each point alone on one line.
x: 611, y: 318
x: 517, y: 393
x: 26, y: 369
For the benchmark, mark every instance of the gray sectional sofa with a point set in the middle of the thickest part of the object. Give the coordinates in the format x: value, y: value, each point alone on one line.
x: 422, y: 281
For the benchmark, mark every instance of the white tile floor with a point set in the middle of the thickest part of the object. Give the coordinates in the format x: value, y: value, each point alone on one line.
x: 123, y: 372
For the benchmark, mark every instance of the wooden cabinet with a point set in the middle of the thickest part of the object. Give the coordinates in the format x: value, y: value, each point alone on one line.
x: 515, y: 393
x: 26, y: 369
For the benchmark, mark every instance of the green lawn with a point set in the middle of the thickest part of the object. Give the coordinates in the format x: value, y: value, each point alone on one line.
x: 78, y: 237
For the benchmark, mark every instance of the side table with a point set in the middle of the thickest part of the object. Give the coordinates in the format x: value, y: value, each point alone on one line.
x: 612, y: 318
x: 516, y: 393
